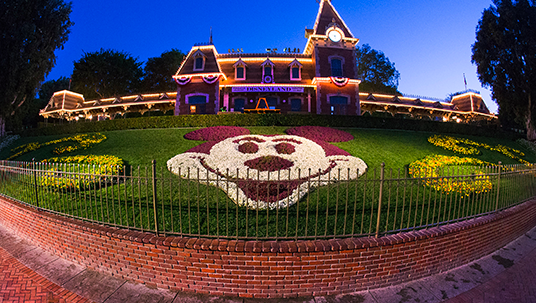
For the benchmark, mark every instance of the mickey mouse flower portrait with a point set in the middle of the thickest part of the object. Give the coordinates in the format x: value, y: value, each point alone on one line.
x: 273, y: 171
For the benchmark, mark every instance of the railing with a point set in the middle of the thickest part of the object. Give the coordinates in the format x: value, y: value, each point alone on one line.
x: 381, y: 201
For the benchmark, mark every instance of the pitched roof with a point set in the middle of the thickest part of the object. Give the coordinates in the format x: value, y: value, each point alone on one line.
x: 327, y: 16
x: 211, y: 64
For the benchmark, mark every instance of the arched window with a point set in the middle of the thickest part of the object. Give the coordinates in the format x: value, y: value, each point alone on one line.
x: 199, y: 61
x: 197, y: 103
x: 295, y: 70
x: 268, y: 71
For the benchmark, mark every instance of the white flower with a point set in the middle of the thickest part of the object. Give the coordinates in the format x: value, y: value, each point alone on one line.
x: 247, y: 181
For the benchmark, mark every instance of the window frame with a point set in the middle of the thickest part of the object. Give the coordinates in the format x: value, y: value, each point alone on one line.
x: 341, y: 59
x: 199, y: 55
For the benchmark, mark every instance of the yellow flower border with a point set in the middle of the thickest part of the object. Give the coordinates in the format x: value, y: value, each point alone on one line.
x: 453, y: 144
x: 82, y: 141
x: 429, y: 169
x: 96, y: 168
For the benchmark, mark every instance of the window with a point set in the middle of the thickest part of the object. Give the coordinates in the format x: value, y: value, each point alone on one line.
x: 239, y: 104
x: 240, y: 70
x: 267, y: 71
x: 295, y: 104
x: 336, y: 67
x: 197, y: 103
x: 338, y: 100
x: 240, y: 73
x: 295, y: 73
x: 199, y: 61
x: 338, y: 105
x: 295, y: 70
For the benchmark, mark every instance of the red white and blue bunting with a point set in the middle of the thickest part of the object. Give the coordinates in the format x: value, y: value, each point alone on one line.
x: 340, y: 81
x: 211, y: 79
x: 183, y: 80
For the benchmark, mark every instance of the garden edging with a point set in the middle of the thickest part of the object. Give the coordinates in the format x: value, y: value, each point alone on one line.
x: 268, y: 269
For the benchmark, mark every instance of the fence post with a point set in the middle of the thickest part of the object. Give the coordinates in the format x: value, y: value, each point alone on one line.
x: 498, y: 186
x: 35, y: 183
x: 382, y: 174
x: 154, y: 198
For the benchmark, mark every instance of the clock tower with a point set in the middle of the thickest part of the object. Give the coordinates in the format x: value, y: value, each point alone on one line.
x: 333, y: 49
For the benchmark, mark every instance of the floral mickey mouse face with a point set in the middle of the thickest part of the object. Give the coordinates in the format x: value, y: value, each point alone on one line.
x: 267, y: 170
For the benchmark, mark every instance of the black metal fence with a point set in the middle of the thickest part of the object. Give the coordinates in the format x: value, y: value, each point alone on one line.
x: 381, y: 201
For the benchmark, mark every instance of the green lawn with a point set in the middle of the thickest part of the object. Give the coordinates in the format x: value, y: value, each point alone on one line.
x: 396, y: 148
x: 192, y: 208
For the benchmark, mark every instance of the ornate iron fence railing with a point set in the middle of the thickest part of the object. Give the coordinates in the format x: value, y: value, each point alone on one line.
x: 381, y: 201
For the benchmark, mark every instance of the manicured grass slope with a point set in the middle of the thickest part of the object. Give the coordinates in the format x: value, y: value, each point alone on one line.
x: 396, y: 148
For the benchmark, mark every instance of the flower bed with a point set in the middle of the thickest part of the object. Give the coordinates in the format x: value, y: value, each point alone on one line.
x: 267, y: 171
x: 98, y: 168
x: 455, y: 145
x: 431, y: 170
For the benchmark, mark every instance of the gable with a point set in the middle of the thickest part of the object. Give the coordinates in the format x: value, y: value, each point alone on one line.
x: 327, y: 16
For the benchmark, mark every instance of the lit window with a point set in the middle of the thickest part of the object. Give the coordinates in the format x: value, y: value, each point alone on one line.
x: 197, y: 103
x: 336, y: 67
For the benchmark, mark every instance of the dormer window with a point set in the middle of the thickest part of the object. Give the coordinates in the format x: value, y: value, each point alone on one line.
x: 240, y: 70
x: 267, y: 71
x: 295, y: 70
x: 199, y: 61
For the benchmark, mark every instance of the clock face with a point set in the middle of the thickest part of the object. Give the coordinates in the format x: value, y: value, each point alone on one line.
x: 334, y: 36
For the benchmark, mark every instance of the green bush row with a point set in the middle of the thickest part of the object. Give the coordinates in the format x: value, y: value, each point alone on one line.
x: 481, y: 129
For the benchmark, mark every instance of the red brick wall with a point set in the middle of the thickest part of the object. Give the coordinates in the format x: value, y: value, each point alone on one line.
x: 268, y: 269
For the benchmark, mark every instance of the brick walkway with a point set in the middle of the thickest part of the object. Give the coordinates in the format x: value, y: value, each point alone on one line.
x: 517, y: 284
x: 18, y: 283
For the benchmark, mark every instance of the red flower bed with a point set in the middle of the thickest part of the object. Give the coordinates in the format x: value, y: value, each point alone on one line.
x: 248, y: 148
x: 319, y: 133
x: 269, y: 163
x: 216, y: 133
x: 285, y: 148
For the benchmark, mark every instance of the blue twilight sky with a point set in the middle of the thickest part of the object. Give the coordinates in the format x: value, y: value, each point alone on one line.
x: 428, y: 40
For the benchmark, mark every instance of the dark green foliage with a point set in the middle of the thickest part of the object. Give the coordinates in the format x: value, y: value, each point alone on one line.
x: 377, y: 73
x: 505, y: 55
x: 159, y: 72
x: 106, y: 73
x: 272, y: 120
x: 30, y: 32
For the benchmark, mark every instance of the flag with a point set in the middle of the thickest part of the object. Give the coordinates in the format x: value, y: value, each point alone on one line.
x: 465, y: 81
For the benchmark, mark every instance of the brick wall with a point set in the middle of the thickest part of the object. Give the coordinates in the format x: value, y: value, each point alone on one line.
x: 267, y: 269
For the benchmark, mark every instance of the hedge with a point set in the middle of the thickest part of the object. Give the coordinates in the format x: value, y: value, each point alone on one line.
x: 491, y: 130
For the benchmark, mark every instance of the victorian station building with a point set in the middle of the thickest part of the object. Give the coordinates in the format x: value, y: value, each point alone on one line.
x: 322, y: 79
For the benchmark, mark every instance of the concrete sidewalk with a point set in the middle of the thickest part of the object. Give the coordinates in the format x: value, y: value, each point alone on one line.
x: 507, y: 275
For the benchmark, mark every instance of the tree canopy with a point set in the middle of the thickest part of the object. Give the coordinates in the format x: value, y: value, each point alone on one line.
x: 106, y: 73
x: 30, y: 32
x: 158, y: 71
x: 377, y: 73
x: 505, y: 55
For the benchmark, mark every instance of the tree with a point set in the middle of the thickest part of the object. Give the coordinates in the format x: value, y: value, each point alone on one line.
x: 106, y: 73
x: 377, y: 73
x: 505, y: 55
x: 159, y: 71
x: 30, y: 32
